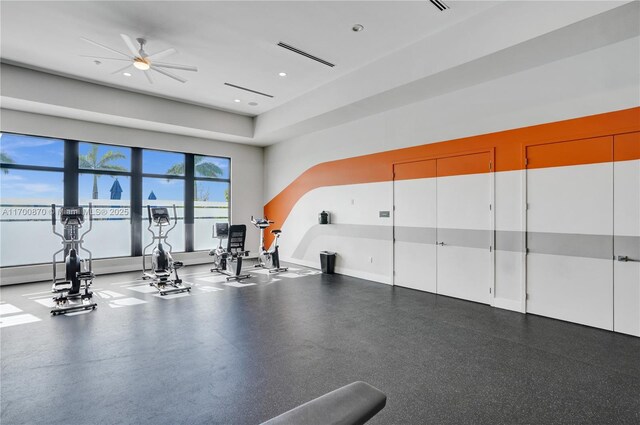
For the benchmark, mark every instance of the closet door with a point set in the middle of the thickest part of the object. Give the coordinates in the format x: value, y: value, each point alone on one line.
x: 626, y: 272
x: 414, y: 191
x: 464, y: 236
x: 569, y: 231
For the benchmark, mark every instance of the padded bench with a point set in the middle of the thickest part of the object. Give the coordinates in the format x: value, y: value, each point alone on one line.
x: 353, y: 404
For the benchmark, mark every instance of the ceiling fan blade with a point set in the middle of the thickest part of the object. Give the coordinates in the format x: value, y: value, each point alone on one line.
x: 95, y: 43
x: 169, y: 74
x: 162, y: 54
x: 121, y: 69
x: 130, y: 45
x: 148, y: 75
x: 102, y: 57
x: 175, y: 66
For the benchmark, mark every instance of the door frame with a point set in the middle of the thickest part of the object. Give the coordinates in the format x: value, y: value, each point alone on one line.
x: 492, y: 211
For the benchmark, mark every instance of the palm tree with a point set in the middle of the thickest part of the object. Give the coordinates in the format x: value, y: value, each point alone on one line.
x: 205, y: 169
x: 90, y: 161
x: 7, y: 160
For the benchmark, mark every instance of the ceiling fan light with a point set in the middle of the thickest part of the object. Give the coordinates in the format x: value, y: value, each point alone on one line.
x: 141, y: 64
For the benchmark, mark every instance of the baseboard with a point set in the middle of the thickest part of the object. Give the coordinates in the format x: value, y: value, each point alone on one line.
x: 507, y: 304
x: 342, y: 270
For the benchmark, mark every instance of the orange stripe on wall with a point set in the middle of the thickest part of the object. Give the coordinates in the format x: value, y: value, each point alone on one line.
x: 508, y: 147
x: 626, y: 147
x: 415, y: 170
x: 466, y: 164
x: 577, y: 152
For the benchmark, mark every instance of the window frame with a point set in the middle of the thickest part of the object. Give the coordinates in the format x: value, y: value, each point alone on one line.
x: 71, y: 174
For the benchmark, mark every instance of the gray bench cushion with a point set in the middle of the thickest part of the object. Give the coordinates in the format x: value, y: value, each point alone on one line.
x: 353, y: 404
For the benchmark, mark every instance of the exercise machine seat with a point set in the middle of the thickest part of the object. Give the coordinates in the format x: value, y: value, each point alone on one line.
x: 353, y: 404
x: 276, y: 231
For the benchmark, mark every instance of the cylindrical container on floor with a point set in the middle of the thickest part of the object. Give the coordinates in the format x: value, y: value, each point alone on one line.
x: 328, y: 262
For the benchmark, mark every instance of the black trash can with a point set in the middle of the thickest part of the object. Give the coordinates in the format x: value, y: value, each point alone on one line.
x: 328, y: 262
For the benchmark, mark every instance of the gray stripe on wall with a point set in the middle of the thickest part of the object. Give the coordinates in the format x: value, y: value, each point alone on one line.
x: 468, y: 238
x: 576, y: 245
x: 426, y: 235
x: 509, y: 240
x: 343, y: 230
x: 627, y: 245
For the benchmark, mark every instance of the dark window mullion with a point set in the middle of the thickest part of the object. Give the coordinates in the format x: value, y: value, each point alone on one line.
x: 104, y: 172
x: 136, y: 202
x: 70, y: 173
x: 162, y: 176
x: 189, y: 202
x: 31, y: 167
x: 210, y: 179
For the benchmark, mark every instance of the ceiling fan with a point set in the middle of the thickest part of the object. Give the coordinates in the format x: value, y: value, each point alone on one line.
x: 141, y: 60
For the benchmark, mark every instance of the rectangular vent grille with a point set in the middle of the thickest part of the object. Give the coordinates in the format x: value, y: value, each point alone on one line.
x: 440, y: 5
x: 249, y: 90
x: 305, y: 54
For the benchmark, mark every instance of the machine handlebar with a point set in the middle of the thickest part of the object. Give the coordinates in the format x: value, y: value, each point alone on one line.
x: 261, y: 222
x: 90, y: 221
x: 53, y: 214
x: 149, y: 213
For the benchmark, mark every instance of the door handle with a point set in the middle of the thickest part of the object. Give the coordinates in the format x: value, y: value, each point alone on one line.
x: 440, y: 243
x: 625, y: 259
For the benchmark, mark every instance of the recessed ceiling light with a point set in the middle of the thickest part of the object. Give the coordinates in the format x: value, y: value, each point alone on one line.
x: 357, y: 28
x: 126, y: 74
x: 253, y: 103
x: 237, y: 100
x: 283, y: 74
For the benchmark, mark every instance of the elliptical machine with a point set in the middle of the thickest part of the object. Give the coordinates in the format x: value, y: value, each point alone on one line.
x: 225, y: 259
x: 162, y: 264
x: 268, y: 259
x: 72, y: 293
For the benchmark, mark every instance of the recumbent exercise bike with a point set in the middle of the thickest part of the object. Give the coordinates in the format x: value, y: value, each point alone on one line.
x: 162, y: 264
x: 72, y: 293
x: 228, y: 260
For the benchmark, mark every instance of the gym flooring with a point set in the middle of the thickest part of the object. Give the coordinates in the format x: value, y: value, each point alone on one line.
x: 230, y: 353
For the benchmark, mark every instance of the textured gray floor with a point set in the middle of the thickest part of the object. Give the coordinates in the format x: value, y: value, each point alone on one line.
x: 243, y: 355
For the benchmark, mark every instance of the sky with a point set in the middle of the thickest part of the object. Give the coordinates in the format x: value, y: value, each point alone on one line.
x: 29, y: 150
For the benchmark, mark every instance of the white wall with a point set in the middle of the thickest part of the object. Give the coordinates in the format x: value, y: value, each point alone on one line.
x: 246, y: 173
x: 600, y: 80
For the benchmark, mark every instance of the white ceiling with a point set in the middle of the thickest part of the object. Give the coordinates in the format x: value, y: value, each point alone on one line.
x: 229, y: 41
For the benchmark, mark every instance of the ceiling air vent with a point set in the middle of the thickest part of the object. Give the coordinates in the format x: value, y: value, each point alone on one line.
x: 440, y: 5
x: 246, y: 89
x: 305, y: 54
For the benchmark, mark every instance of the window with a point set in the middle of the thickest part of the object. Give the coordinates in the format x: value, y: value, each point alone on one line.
x: 110, y: 196
x: 209, y: 166
x: 104, y: 180
x: 211, y: 198
x: 31, y: 179
x: 161, y: 163
x: 92, y: 156
x: 29, y: 150
x: 120, y: 182
x: 164, y: 193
